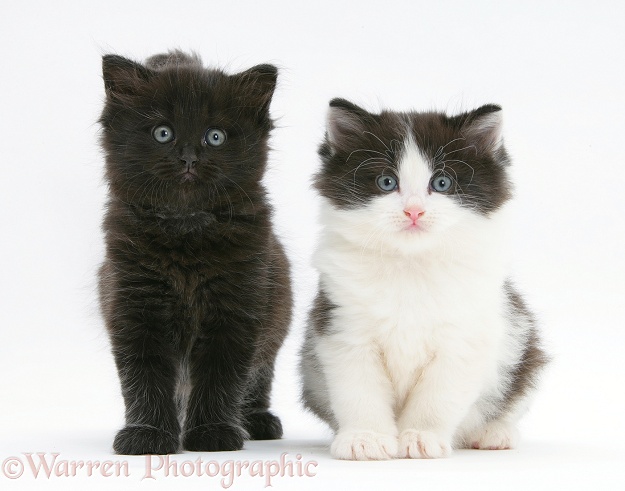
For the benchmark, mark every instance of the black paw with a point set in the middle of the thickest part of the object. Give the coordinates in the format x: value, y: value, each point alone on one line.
x: 140, y: 440
x: 263, y: 426
x: 213, y: 438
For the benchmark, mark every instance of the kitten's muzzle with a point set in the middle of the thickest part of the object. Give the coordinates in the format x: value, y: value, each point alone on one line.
x: 414, y: 213
x: 190, y: 173
x: 189, y: 157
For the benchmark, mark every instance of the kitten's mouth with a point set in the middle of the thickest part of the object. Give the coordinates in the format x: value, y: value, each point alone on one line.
x: 189, y: 175
x: 414, y: 227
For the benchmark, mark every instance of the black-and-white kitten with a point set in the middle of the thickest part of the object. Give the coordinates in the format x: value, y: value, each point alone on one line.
x: 195, y: 287
x: 417, y: 342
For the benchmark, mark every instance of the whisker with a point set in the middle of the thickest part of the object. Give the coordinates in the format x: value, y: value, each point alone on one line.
x: 442, y: 149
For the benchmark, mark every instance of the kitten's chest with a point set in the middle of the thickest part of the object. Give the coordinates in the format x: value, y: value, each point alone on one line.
x: 184, y: 275
x: 408, y: 311
x: 204, y: 285
x: 411, y: 309
x: 186, y: 281
x: 405, y: 295
x: 188, y: 294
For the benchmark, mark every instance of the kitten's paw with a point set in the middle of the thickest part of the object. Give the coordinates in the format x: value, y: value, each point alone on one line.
x: 263, y: 426
x: 142, y: 439
x: 494, y: 436
x: 363, y: 445
x: 213, y: 438
x: 414, y: 444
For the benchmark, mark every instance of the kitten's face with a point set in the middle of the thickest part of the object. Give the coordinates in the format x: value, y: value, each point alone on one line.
x: 406, y: 179
x: 182, y: 137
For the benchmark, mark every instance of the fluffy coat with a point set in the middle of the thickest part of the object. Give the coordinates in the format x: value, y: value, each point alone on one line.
x: 418, y: 342
x: 195, y: 287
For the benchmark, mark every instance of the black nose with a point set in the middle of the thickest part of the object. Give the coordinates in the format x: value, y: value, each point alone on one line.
x: 188, y: 156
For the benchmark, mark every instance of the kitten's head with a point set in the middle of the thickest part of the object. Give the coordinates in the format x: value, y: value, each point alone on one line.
x: 180, y: 137
x: 406, y: 179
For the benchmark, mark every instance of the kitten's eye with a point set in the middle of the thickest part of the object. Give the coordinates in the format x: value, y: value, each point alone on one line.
x: 215, y: 137
x: 440, y: 184
x: 163, y: 134
x: 387, y: 183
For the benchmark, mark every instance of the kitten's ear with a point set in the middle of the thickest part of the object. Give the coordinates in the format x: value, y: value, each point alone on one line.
x: 344, y: 122
x: 483, y: 127
x: 123, y: 76
x: 257, y: 86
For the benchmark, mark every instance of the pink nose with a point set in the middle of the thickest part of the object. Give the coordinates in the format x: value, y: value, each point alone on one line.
x: 414, y: 213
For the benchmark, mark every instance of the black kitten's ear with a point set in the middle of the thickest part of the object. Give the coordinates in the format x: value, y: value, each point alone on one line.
x: 345, y: 122
x: 257, y: 86
x: 483, y: 127
x: 123, y: 76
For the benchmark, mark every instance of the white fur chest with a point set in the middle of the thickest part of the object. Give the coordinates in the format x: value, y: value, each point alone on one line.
x: 421, y: 291
x: 413, y: 308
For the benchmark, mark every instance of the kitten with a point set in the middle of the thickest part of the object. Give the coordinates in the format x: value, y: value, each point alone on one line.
x: 195, y: 288
x: 417, y: 341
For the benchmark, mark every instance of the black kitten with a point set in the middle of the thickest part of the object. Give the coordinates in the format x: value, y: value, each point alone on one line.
x: 195, y: 287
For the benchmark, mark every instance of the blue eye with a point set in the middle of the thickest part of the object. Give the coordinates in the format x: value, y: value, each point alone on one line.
x: 215, y: 137
x: 387, y: 183
x: 163, y: 134
x: 440, y: 184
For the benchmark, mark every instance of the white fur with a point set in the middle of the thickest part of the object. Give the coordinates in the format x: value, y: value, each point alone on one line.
x: 420, y: 328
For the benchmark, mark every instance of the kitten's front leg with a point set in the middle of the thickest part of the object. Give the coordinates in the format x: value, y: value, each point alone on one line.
x: 147, y: 375
x: 447, y: 387
x: 361, y: 400
x: 219, y: 365
x: 259, y: 422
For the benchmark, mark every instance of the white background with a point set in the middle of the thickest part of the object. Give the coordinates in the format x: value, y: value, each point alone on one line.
x: 555, y: 67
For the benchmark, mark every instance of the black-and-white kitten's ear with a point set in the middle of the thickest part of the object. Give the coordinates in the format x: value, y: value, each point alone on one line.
x: 172, y: 58
x: 123, y: 76
x: 483, y: 127
x: 345, y: 121
x: 257, y: 86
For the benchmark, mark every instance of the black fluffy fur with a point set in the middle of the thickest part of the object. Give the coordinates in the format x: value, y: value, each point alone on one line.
x: 195, y: 287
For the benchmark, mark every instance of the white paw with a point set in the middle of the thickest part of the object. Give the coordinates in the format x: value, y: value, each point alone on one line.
x: 414, y: 444
x: 363, y: 445
x: 494, y: 436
